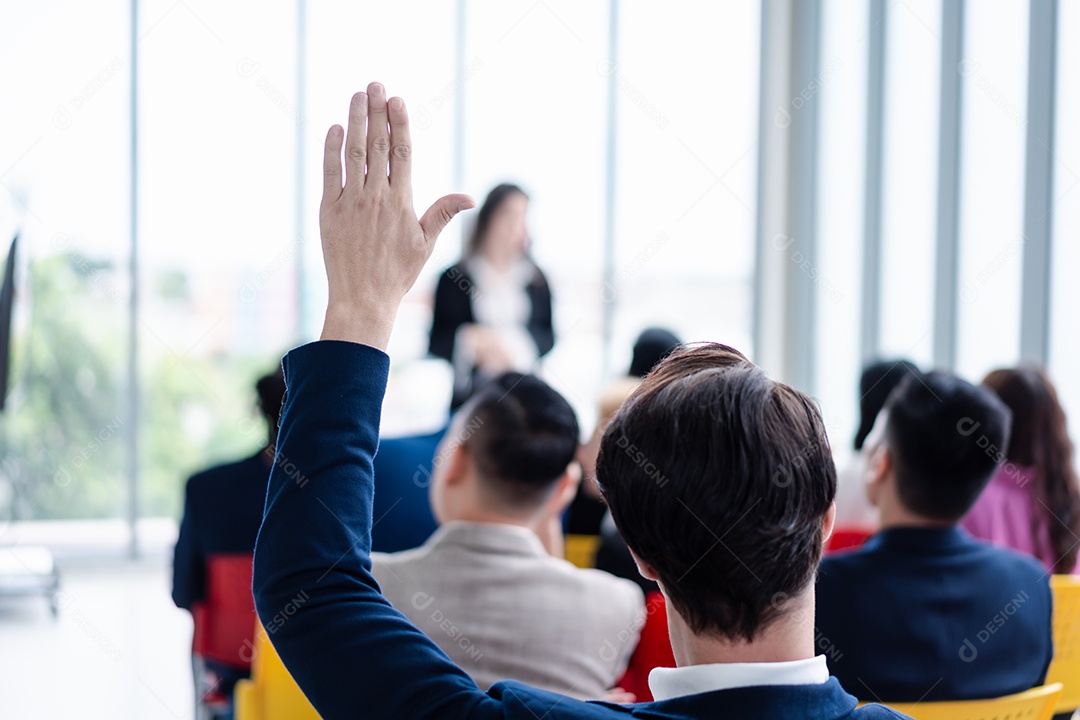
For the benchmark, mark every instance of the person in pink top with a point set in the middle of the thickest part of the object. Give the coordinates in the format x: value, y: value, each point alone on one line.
x: 1033, y: 502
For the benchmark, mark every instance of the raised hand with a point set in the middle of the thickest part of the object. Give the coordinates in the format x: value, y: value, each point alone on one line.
x: 373, y: 245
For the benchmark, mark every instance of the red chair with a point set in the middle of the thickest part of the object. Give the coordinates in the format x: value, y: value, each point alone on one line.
x: 224, y: 626
x: 653, y: 650
x: 847, y: 538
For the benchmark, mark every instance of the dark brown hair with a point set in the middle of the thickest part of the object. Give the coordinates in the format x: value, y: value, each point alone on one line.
x: 1040, y: 440
x: 720, y: 478
x: 494, y: 200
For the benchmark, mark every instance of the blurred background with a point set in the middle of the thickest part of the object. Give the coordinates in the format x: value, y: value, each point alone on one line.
x: 818, y: 183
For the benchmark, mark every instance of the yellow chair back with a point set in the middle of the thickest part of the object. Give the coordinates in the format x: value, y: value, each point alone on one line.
x: 1065, y: 667
x: 581, y: 549
x: 1035, y: 704
x: 271, y: 693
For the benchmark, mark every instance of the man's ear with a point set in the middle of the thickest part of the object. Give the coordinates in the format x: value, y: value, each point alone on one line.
x: 879, y: 473
x: 565, y: 489
x: 829, y: 523
x: 647, y: 571
x: 459, y: 466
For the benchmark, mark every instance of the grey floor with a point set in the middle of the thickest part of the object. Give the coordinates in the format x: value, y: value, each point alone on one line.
x: 119, y: 648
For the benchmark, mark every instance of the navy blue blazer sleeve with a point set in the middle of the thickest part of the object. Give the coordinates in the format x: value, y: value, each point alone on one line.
x: 189, y: 565
x: 350, y: 651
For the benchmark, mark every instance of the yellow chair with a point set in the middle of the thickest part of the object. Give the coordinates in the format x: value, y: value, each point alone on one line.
x: 581, y: 549
x: 271, y: 693
x: 1065, y: 668
x: 1035, y: 704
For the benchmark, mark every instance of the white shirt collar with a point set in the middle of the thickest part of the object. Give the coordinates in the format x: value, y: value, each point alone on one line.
x: 667, y: 683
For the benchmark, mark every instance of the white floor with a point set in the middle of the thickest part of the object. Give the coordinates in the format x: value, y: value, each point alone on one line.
x: 119, y: 648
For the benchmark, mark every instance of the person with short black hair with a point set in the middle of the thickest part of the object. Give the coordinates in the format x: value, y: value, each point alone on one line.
x: 709, y: 458
x: 222, y: 512
x: 922, y: 612
x: 223, y: 504
x: 504, y: 473
x: 876, y: 383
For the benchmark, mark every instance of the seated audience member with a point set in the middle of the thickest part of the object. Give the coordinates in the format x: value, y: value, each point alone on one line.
x: 1032, y: 504
x: 586, y: 513
x: 922, y: 612
x: 505, y: 475
x: 402, y: 511
x: 222, y: 512
x: 734, y: 551
x: 223, y: 505
x: 878, y: 380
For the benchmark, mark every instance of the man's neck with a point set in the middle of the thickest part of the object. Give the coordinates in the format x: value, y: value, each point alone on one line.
x: 549, y: 530
x: 788, y: 638
x: 895, y: 515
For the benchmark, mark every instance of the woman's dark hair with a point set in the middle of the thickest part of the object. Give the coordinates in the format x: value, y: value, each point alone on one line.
x: 878, y: 381
x: 271, y: 391
x: 494, y: 200
x: 1040, y: 440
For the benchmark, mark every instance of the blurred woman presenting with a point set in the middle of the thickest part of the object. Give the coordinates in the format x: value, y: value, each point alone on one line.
x: 493, y: 308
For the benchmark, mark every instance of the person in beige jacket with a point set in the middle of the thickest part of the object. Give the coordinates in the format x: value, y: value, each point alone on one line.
x: 490, y: 586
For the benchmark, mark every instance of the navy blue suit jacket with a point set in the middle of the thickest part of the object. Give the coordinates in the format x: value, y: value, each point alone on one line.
x: 932, y: 614
x: 222, y: 512
x: 351, y: 652
x: 402, y: 510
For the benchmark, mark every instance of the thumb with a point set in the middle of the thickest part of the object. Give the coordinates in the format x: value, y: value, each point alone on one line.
x: 442, y: 212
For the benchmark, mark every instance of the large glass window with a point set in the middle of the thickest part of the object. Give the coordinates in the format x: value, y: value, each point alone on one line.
x: 994, y: 71
x: 216, y: 231
x: 840, y: 194
x: 909, y: 180
x: 64, y: 159
x: 1065, y: 298
x: 230, y: 265
x: 687, y: 172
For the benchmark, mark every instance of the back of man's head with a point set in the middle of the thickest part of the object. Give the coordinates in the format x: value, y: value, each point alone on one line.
x: 720, y: 479
x: 522, y: 435
x: 946, y: 437
x: 271, y: 389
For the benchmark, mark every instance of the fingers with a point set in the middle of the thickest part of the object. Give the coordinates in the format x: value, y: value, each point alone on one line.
x: 400, y: 146
x: 332, y: 165
x: 442, y: 212
x: 356, y: 141
x: 378, y: 137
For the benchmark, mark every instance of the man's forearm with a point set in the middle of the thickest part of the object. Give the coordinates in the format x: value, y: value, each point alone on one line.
x: 347, y: 648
